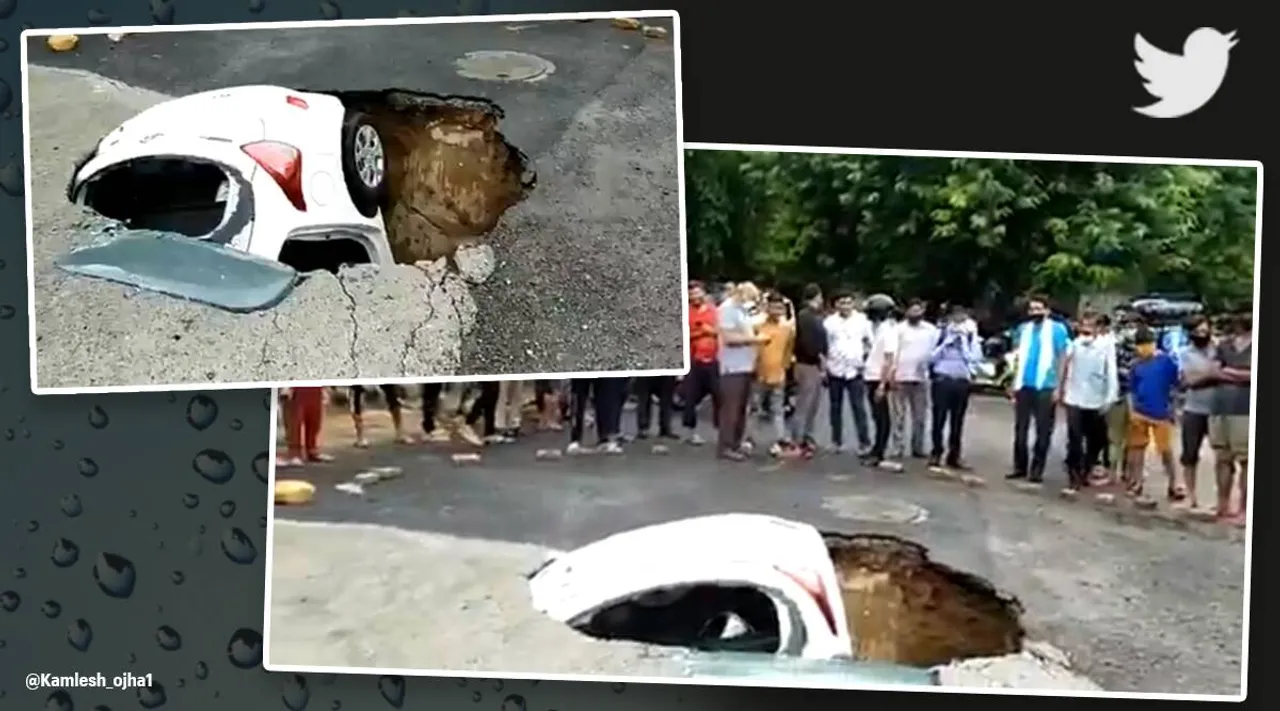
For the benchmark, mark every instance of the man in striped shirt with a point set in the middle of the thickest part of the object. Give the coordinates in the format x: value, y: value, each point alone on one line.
x: 1041, y: 344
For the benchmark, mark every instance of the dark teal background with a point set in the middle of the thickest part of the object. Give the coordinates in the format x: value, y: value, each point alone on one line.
x: 133, y: 527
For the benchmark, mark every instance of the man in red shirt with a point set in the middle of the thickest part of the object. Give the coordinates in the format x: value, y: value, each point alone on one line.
x: 704, y: 368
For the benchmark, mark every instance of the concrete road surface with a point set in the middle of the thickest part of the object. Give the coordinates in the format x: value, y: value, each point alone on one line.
x: 1138, y: 602
x: 587, y: 270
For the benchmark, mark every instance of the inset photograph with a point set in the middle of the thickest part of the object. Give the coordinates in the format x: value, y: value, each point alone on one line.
x: 228, y: 206
x: 953, y: 420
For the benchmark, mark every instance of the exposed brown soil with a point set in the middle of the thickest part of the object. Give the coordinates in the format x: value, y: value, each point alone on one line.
x: 906, y: 609
x: 450, y: 173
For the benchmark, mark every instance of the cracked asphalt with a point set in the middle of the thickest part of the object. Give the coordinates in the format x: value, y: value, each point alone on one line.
x: 426, y: 570
x: 587, y: 274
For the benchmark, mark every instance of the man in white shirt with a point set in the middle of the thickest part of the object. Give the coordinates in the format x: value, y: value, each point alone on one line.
x: 910, y: 392
x: 1088, y: 387
x: 848, y: 342
x: 878, y: 374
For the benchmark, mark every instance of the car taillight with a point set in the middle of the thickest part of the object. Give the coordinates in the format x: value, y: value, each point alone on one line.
x: 283, y: 163
x: 813, y: 585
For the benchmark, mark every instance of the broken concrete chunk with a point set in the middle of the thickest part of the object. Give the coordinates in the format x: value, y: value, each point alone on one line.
x: 364, y: 478
x: 349, y: 487
x: 294, y: 491
x: 626, y: 23
x: 475, y: 262
x: 661, y: 449
x: 549, y: 454
x: 654, y: 32
x: 62, y: 43
x: 466, y: 458
x: 385, y: 473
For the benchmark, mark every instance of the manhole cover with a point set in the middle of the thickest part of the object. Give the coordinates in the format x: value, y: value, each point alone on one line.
x: 872, y: 508
x: 501, y: 65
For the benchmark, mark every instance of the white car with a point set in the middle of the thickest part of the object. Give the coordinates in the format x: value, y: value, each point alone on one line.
x: 731, y: 582
x: 266, y: 170
x: 759, y: 598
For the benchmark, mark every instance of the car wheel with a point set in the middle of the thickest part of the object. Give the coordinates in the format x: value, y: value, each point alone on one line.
x: 364, y: 163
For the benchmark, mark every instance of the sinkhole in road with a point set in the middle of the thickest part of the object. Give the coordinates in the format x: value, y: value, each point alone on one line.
x: 900, y: 607
x: 445, y: 176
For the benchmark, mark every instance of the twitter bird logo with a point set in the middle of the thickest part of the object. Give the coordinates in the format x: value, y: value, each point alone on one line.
x: 1183, y: 82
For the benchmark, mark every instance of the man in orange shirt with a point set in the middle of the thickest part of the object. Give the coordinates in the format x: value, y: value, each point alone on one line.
x: 772, y: 361
x: 704, y: 367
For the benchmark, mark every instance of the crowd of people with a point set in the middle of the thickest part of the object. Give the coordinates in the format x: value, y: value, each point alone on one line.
x: 904, y: 379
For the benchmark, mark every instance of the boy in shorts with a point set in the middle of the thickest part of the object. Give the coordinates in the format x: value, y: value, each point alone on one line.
x: 1153, y: 381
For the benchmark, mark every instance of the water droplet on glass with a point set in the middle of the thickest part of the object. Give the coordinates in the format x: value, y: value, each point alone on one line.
x: 133, y: 513
x: 514, y: 702
x: 98, y: 417
x: 618, y: 687
x: 33, y: 526
x: 190, y: 500
x: 177, y: 577
x: 80, y: 634
x: 115, y: 575
x: 19, y: 573
x: 227, y: 509
x: 65, y: 553
x: 261, y: 466
x: 257, y: 6
x: 237, y: 546
x: 72, y: 506
x: 168, y: 638
x: 476, y: 696
x: 461, y: 682
x: 329, y: 10
x: 202, y: 671
x: 98, y: 17
x: 10, y: 600
x: 392, y: 690
x: 237, y: 425
x: 335, y: 705
x: 295, y: 695
x: 244, y: 650
x: 58, y: 444
x: 59, y: 701
x: 88, y: 468
x: 150, y: 697
x: 497, y: 685
x: 51, y: 609
x: 202, y: 411
x: 214, y: 465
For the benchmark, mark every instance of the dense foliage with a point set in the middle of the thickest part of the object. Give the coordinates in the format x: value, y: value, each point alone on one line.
x: 971, y: 230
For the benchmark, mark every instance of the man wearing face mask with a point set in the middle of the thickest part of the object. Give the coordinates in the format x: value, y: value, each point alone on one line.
x: 1199, y: 377
x: 910, y: 394
x: 1089, y: 385
x: 1229, y: 425
x: 954, y: 359
x: 1040, y: 346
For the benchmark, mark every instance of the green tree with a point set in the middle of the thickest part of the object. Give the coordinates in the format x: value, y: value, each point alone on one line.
x: 971, y: 229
